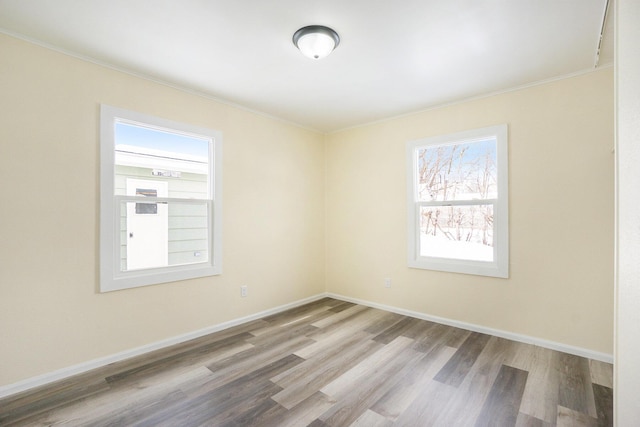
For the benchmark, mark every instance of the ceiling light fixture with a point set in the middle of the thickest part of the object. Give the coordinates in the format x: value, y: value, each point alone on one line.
x: 316, y: 41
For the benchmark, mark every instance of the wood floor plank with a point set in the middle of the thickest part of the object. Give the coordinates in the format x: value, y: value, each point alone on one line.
x: 27, y: 405
x: 465, y: 407
x: 456, y: 369
x: 383, y: 322
x: 576, y: 391
x: 456, y: 337
x: 233, y: 367
x: 540, y: 397
x: 601, y: 373
x: 343, y: 323
x: 282, y: 334
x: 502, y: 405
x: 272, y: 417
x: 370, y: 380
x: 339, y: 316
x: 358, y: 344
x: 173, y: 373
x: 135, y: 412
x: 212, y: 408
x: 318, y: 423
x: 216, y: 404
x: 330, y: 363
x: 427, y: 407
x: 525, y: 420
x: 419, y: 329
x: 302, y: 414
x: 393, y: 403
x: 343, y: 385
x: 195, y: 345
x: 435, y: 335
x: 127, y: 402
x: 570, y: 418
x: 187, y: 357
x: 312, y: 375
x: 285, y: 316
x: 604, y: 404
x: 396, y: 330
x: 342, y: 306
x: 371, y: 419
x: 287, y: 322
x: 335, y: 333
x: 248, y: 414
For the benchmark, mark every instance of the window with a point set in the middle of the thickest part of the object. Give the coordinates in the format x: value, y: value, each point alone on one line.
x: 160, y: 204
x: 457, y: 202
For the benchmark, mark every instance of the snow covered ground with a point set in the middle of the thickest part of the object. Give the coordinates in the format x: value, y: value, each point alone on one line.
x: 440, y: 246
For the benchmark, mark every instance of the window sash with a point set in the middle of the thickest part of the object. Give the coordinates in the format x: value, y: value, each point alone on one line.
x: 417, y: 227
x: 119, y: 273
x: 458, y: 202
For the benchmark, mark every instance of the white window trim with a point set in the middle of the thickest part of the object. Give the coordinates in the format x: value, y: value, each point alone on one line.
x: 111, y: 278
x: 500, y: 266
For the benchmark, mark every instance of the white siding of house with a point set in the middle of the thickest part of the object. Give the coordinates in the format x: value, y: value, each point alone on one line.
x: 187, y: 223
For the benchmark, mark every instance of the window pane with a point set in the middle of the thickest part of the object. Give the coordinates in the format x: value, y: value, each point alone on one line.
x: 148, y: 153
x: 173, y: 233
x: 147, y: 208
x: 458, y: 232
x: 465, y: 171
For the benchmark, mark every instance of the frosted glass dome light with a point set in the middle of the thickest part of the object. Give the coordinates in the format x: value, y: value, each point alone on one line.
x: 316, y: 41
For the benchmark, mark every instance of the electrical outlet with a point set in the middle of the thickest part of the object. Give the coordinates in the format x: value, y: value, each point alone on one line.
x: 387, y: 282
x: 244, y: 290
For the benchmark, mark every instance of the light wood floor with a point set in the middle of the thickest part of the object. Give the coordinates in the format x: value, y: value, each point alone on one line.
x: 331, y: 363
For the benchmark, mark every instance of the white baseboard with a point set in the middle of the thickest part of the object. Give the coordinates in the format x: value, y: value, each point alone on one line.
x: 60, y: 374
x: 578, y: 351
x: 103, y: 361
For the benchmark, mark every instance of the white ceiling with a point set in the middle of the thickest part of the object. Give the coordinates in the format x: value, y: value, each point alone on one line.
x: 394, y: 57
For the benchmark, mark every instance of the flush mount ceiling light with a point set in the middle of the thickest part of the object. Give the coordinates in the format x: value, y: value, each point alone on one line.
x: 316, y: 41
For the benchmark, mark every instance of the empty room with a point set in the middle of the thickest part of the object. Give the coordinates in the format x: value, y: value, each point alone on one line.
x: 338, y: 213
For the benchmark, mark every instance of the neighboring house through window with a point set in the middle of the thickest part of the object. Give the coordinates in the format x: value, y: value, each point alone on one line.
x: 458, y: 202
x: 160, y: 214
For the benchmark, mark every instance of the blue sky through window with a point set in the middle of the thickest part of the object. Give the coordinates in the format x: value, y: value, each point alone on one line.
x: 140, y: 136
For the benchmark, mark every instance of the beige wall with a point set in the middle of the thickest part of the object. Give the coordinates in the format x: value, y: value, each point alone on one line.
x: 561, y: 215
x: 51, y: 315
